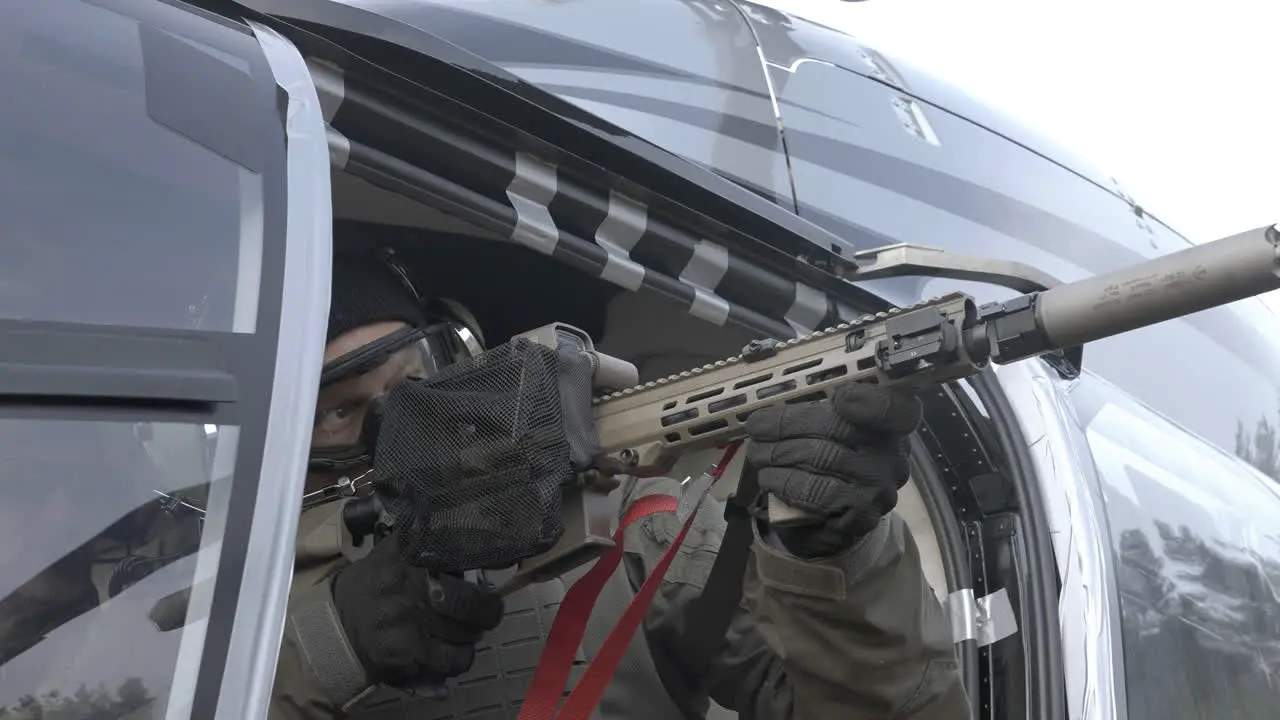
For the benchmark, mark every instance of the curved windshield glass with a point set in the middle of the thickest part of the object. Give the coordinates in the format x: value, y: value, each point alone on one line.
x: 1196, y: 542
x: 131, y: 199
x: 103, y: 581
x: 105, y: 189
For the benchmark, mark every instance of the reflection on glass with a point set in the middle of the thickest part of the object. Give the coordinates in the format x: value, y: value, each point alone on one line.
x: 107, y: 216
x: 1261, y: 447
x: 107, y: 568
x: 1201, y: 627
x: 1196, y: 536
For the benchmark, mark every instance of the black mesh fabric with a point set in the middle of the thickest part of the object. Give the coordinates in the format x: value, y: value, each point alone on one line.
x: 471, y: 462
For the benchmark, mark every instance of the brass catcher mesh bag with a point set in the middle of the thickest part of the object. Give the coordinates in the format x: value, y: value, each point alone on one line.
x: 471, y: 462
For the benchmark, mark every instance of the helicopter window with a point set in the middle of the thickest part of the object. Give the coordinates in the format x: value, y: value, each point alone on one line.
x: 106, y: 523
x: 143, y: 181
x: 1195, y: 537
x: 110, y: 188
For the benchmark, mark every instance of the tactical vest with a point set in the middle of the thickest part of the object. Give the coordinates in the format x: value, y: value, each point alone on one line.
x: 507, y: 658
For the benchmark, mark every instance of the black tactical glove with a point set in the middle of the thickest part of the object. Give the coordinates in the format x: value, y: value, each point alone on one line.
x: 406, y: 627
x: 842, y: 459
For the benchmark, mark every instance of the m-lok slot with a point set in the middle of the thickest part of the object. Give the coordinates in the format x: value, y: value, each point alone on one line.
x: 728, y: 403
x: 827, y: 375
x: 753, y: 381
x: 769, y: 391
x: 698, y: 397
x: 814, y: 362
x: 708, y: 426
x: 678, y: 417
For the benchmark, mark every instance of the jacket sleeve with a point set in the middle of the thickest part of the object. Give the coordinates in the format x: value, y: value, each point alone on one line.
x: 858, y: 636
x: 317, y: 674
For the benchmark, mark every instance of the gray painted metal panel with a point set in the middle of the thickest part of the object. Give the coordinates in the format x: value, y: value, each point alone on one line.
x: 629, y: 63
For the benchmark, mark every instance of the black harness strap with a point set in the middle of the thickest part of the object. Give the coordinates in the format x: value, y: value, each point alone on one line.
x: 711, y: 613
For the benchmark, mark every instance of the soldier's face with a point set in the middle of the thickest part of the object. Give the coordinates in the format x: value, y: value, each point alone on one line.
x: 342, y: 406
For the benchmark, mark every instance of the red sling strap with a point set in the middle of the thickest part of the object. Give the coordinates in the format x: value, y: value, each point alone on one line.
x: 543, y: 698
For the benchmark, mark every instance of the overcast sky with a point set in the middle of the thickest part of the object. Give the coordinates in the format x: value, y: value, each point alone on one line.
x: 1179, y: 100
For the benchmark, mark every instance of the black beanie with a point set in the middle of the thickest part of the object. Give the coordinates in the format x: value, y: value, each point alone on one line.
x: 366, y: 290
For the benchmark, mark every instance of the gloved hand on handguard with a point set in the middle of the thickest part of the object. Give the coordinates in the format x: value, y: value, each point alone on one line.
x: 843, y: 459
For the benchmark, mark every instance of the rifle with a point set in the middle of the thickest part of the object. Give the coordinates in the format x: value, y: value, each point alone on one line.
x: 644, y: 428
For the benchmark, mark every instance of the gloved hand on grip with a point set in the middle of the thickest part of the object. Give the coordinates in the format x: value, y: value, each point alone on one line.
x: 407, y: 627
x: 843, y: 459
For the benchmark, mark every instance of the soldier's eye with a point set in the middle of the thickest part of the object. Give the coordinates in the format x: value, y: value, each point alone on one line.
x: 339, y: 419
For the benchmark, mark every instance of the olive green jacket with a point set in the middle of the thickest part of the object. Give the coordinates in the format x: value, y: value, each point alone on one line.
x: 856, y: 637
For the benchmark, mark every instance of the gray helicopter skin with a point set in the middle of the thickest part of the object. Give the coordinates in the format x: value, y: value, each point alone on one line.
x: 1140, y: 524
x: 875, y: 151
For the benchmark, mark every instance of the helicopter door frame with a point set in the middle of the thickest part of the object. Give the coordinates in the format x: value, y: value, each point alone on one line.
x: 245, y: 689
x: 199, y: 299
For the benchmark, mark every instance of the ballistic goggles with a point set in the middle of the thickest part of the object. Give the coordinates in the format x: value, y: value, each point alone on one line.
x: 412, y: 352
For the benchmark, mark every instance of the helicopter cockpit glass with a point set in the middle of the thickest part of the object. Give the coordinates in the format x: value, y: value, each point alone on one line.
x: 140, y: 306
x: 105, y: 521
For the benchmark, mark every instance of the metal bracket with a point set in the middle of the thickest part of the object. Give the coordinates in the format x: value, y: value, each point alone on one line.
x: 986, y: 619
x: 905, y: 259
x: 908, y: 260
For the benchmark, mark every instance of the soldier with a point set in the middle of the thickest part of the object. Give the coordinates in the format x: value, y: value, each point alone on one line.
x: 837, y: 619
